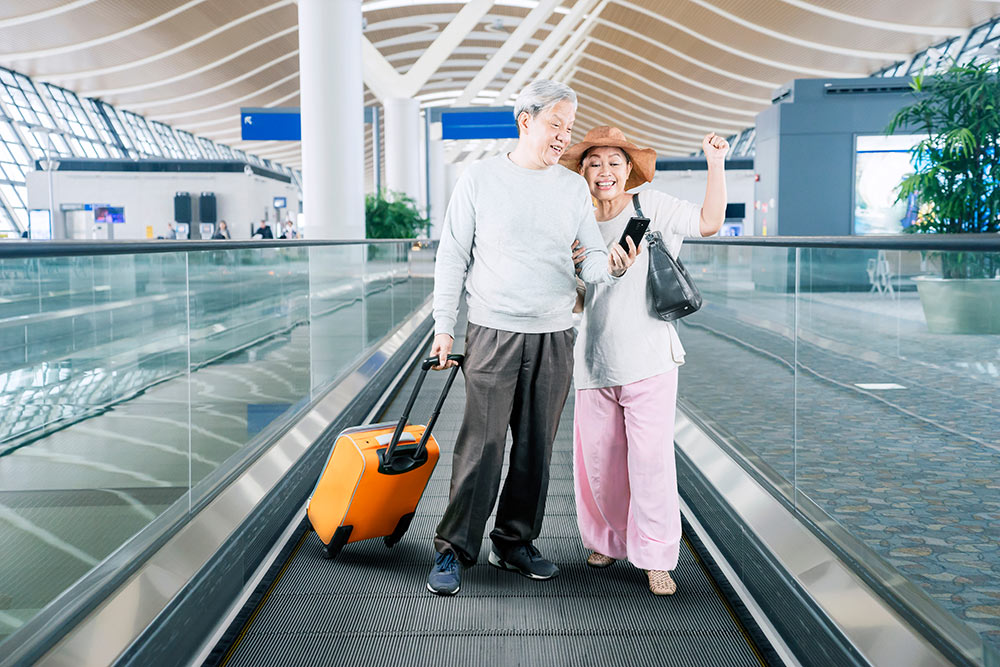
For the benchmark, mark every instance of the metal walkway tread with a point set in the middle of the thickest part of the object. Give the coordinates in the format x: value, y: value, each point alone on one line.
x: 370, y: 606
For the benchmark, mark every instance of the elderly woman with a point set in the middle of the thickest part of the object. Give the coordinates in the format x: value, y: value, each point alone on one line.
x: 626, y: 364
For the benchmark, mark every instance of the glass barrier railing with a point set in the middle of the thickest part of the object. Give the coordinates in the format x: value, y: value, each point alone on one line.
x: 865, y: 391
x: 128, y: 379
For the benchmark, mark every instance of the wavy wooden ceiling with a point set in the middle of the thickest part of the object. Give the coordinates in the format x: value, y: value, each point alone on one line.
x: 666, y: 72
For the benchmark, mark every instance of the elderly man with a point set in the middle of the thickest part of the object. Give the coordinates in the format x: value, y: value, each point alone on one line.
x: 506, y: 232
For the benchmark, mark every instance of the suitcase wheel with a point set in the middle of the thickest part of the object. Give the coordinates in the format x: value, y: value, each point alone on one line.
x: 340, y: 538
x: 400, y: 530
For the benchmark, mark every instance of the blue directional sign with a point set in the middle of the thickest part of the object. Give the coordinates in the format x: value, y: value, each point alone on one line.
x: 275, y: 123
x: 495, y: 123
x: 271, y: 124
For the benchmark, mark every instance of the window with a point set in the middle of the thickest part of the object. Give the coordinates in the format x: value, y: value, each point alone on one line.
x: 73, y: 120
x: 15, y: 198
x: 984, y: 41
x: 14, y: 162
x: 6, y: 221
x: 208, y: 148
x: 165, y: 135
x: 935, y: 58
x: 137, y: 130
x: 225, y: 152
x: 113, y: 126
x: 188, y: 144
x: 896, y: 69
x: 743, y: 146
x: 23, y: 101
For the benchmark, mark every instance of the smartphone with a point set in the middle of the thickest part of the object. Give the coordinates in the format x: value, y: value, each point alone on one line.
x: 635, y: 228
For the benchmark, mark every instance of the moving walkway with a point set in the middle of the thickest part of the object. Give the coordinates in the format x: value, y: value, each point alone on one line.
x: 777, y: 566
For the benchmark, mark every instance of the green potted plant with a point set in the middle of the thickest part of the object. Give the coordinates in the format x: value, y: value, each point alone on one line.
x: 956, y: 187
x: 392, y: 215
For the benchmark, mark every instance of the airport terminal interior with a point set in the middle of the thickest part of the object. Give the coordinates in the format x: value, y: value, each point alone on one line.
x: 219, y: 231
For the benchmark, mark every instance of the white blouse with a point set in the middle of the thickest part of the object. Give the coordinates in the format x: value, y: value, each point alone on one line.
x: 619, y: 341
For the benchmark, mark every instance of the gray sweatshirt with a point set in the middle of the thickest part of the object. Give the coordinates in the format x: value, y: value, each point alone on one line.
x: 507, y: 236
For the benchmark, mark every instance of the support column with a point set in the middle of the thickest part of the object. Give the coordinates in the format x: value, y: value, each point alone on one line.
x: 377, y: 149
x: 332, y: 105
x: 436, y: 177
x: 403, y: 163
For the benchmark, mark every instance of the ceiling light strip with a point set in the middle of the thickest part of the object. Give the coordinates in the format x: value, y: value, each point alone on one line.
x: 693, y: 100
x: 727, y: 122
x: 644, y: 109
x: 646, y: 139
x: 770, y: 85
x: 809, y: 44
x: 169, y: 52
x: 524, y: 30
x: 437, y: 53
x: 48, y: 13
x: 716, y: 90
x: 551, y: 42
x: 220, y: 86
x: 737, y: 52
x: 184, y: 114
x: 235, y: 120
x: 571, y: 44
x: 79, y: 46
x: 578, y: 84
x: 936, y: 31
x: 180, y: 77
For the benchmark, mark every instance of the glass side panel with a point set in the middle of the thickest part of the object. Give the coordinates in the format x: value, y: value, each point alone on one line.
x: 337, y: 305
x: 128, y: 380
x: 743, y: 334
x: 870, y: 385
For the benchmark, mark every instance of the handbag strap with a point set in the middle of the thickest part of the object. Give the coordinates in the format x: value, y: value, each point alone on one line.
x: 635, y: 203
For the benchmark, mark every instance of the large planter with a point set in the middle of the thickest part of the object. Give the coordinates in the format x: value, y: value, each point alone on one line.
x: 960, y: 305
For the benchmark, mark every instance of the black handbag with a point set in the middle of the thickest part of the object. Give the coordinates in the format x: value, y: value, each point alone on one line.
x: 672, y: 293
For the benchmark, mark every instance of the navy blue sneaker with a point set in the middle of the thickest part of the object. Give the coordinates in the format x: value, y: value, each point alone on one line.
x: 525, y: 559
x: 446, y: 575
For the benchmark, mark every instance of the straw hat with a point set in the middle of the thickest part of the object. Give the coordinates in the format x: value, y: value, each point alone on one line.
x: 643, y: 159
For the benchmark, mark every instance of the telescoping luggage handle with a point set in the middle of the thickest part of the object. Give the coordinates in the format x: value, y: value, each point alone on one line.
x: 425, y: 366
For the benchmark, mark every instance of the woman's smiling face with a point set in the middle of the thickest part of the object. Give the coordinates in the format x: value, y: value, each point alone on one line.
x: 606, y: 169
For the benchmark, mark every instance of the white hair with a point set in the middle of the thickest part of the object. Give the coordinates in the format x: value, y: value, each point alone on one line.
x: 540, y: 95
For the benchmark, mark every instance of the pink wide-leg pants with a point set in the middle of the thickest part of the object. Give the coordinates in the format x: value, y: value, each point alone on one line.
x: 624, y: 474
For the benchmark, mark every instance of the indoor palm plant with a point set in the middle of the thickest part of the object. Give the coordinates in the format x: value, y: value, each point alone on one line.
x: 956, y: 184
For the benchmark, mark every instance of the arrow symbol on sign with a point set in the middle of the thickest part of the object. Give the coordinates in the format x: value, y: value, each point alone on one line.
x: 248, y: 120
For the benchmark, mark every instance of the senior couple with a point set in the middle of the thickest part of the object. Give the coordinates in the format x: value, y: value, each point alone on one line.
x: 518, y: 230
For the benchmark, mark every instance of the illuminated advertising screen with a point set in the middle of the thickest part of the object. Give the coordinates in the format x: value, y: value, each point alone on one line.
x: 109, y: 214
x: 40, y: 224
x: 881, y: 162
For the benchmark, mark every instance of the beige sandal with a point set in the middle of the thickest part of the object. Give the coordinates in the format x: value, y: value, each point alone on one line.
x: 660, y: 582
x: 599, y: 560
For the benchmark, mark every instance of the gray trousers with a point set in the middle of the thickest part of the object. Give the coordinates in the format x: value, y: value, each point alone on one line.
x: 516, y: 380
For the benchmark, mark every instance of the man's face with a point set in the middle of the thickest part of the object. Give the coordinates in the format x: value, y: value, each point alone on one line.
x: 548, y: 134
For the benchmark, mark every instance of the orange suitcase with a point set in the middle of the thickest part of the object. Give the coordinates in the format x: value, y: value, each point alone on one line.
x: 376, y: 475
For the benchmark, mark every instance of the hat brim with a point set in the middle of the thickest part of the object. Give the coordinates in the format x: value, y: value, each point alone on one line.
x: 643, y: 159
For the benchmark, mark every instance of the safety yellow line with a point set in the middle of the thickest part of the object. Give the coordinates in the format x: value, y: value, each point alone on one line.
x: 725, y: 602
x: 260, y: 605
